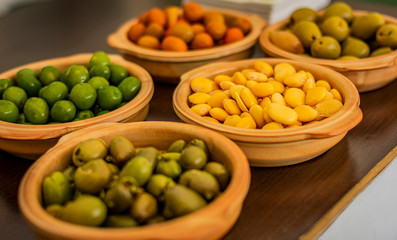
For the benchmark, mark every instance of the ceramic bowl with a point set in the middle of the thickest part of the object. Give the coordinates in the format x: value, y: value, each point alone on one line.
x: 266, y: 148
x: 168, y: 66
x: 367, y: 73
x: 210, y: 222
x: 30, y: 141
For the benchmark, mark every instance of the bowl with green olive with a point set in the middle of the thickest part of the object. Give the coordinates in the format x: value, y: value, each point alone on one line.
x: 126, y: 199
x: 359, y: 44
x: 41, y: 101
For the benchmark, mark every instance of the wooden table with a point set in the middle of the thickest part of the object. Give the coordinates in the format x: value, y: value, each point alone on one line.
x: 283, y: 202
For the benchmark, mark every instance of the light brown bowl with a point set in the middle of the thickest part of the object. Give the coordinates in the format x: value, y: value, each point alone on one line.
x: 367, y: 73
x: 210, y: 222
x: 266, y: 148
x: 30, y: 141
x: 168, y: 66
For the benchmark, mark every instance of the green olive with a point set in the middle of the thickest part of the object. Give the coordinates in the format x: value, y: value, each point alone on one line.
x: 169, y: 167
x: 93, y: 176
x: 177, y: 146
x: 88, y: 150
x: 56, y: 189
x: 118, y: 198
x: 202, y: 182
x: 220, y: 172
x: 85, y: 210
x: 144, y: 207
x: 120, y: 221
x: 193, y: 157
x: 156, y: 219
x: 181, y: 200
x: 99, y: 58
x: 121, y: 150
x: 201, y: 144
x: 158, y: 183
x: 55, y: 210
x: 138, y: 167
x: 151, y: 153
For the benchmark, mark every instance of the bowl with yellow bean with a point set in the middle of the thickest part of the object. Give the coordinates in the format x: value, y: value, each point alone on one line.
x: 280, y: 112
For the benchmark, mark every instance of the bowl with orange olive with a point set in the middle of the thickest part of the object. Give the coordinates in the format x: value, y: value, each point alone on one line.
x: 168, y: 42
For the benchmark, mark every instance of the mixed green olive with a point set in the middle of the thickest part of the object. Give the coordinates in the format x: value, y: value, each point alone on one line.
x: 79, y: 92
x: 118, y: 185
x: 336, y: 33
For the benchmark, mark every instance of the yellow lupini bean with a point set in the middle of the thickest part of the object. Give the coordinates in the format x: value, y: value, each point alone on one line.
x: 336, y: 94
x: 327, y: 108
x: 251, y: 83
x: 239, y: 78
x: 211, y: 119
x: 222, y: 77
x: 256, y: 112
x: 315, y: 95
x: 199, y: 97
x: 266, y: 115
x: 277, y: 86
x: 309, y: 83
x: 328, y: 95
x: 263, y: 89
x: 296, y: 79
x: 245, y: 114
x: 278, y: 98
x: 201, y: 84
x: 232, y: 120
x: 248, y: 98
x: 201, y: 109
x: 247, y: 70
x: 235, y: 93
x: 323, y: 83
x: 264, y: 67
x: 305, y: 113
x: 265, y: 102
x: 294, y: 97
x: 256, y: 76
x: 273, y: 125
x: 310, y: 76
x: 236, y: 89
x: 246, y: 122
x: 219, y: 114
x: 282, y: 114
x: 231, y: 107
x: 216, y: 99
x: 226, y: 85
x: 282, y: 70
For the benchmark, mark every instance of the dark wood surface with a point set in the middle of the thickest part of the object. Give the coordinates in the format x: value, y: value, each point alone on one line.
x: 283, y: 202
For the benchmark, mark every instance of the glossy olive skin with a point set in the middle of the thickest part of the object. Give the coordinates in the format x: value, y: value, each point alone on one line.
x: 158, y: 184
x: 85, y: 210
x: 200, y: 181
x: 144, y: 207
x: 93, y: 176
x: 120, y: 221
x: 88, y: 150
x: 121, y: 150
x: 151, y: 154
x: 118, y: 198
x: 56, y: 189
x: 219, y: 172
x: 169, y: 167
x: 193, y: 157
x: 177, y: 146
x: 138, y: 167
x: 181, y: 200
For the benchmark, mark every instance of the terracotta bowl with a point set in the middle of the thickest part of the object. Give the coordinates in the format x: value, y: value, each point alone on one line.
x: 210, y: 222
x: 266, y: 148
x: 367, y: 73
x: 168, y: 66
x: 30, y: 141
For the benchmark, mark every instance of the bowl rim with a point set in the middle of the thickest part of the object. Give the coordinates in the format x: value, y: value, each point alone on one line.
x: 15, y: 131
x: 339, y: 123
x: 119, y: 41
x: 369, y: 63
x: 30, y: 187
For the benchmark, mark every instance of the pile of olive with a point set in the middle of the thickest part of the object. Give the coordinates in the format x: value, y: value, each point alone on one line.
x: 78, y: 93
x: 117, y: 185
x: 337, y: 33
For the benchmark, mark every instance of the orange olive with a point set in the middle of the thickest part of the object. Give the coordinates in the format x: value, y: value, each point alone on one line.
x: 193, y: 12
x: 216, y: 29
x: 242, y: 23
x: 213, y: 17
x: 156, y: 15
x: 198, y: 28
x: 173, y: 43
x: 202, y: 40
x: 155, y: 30
x: 233, y: 34
x: 183, y: 31
x: 148, y: 41
x: 136, y: 31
